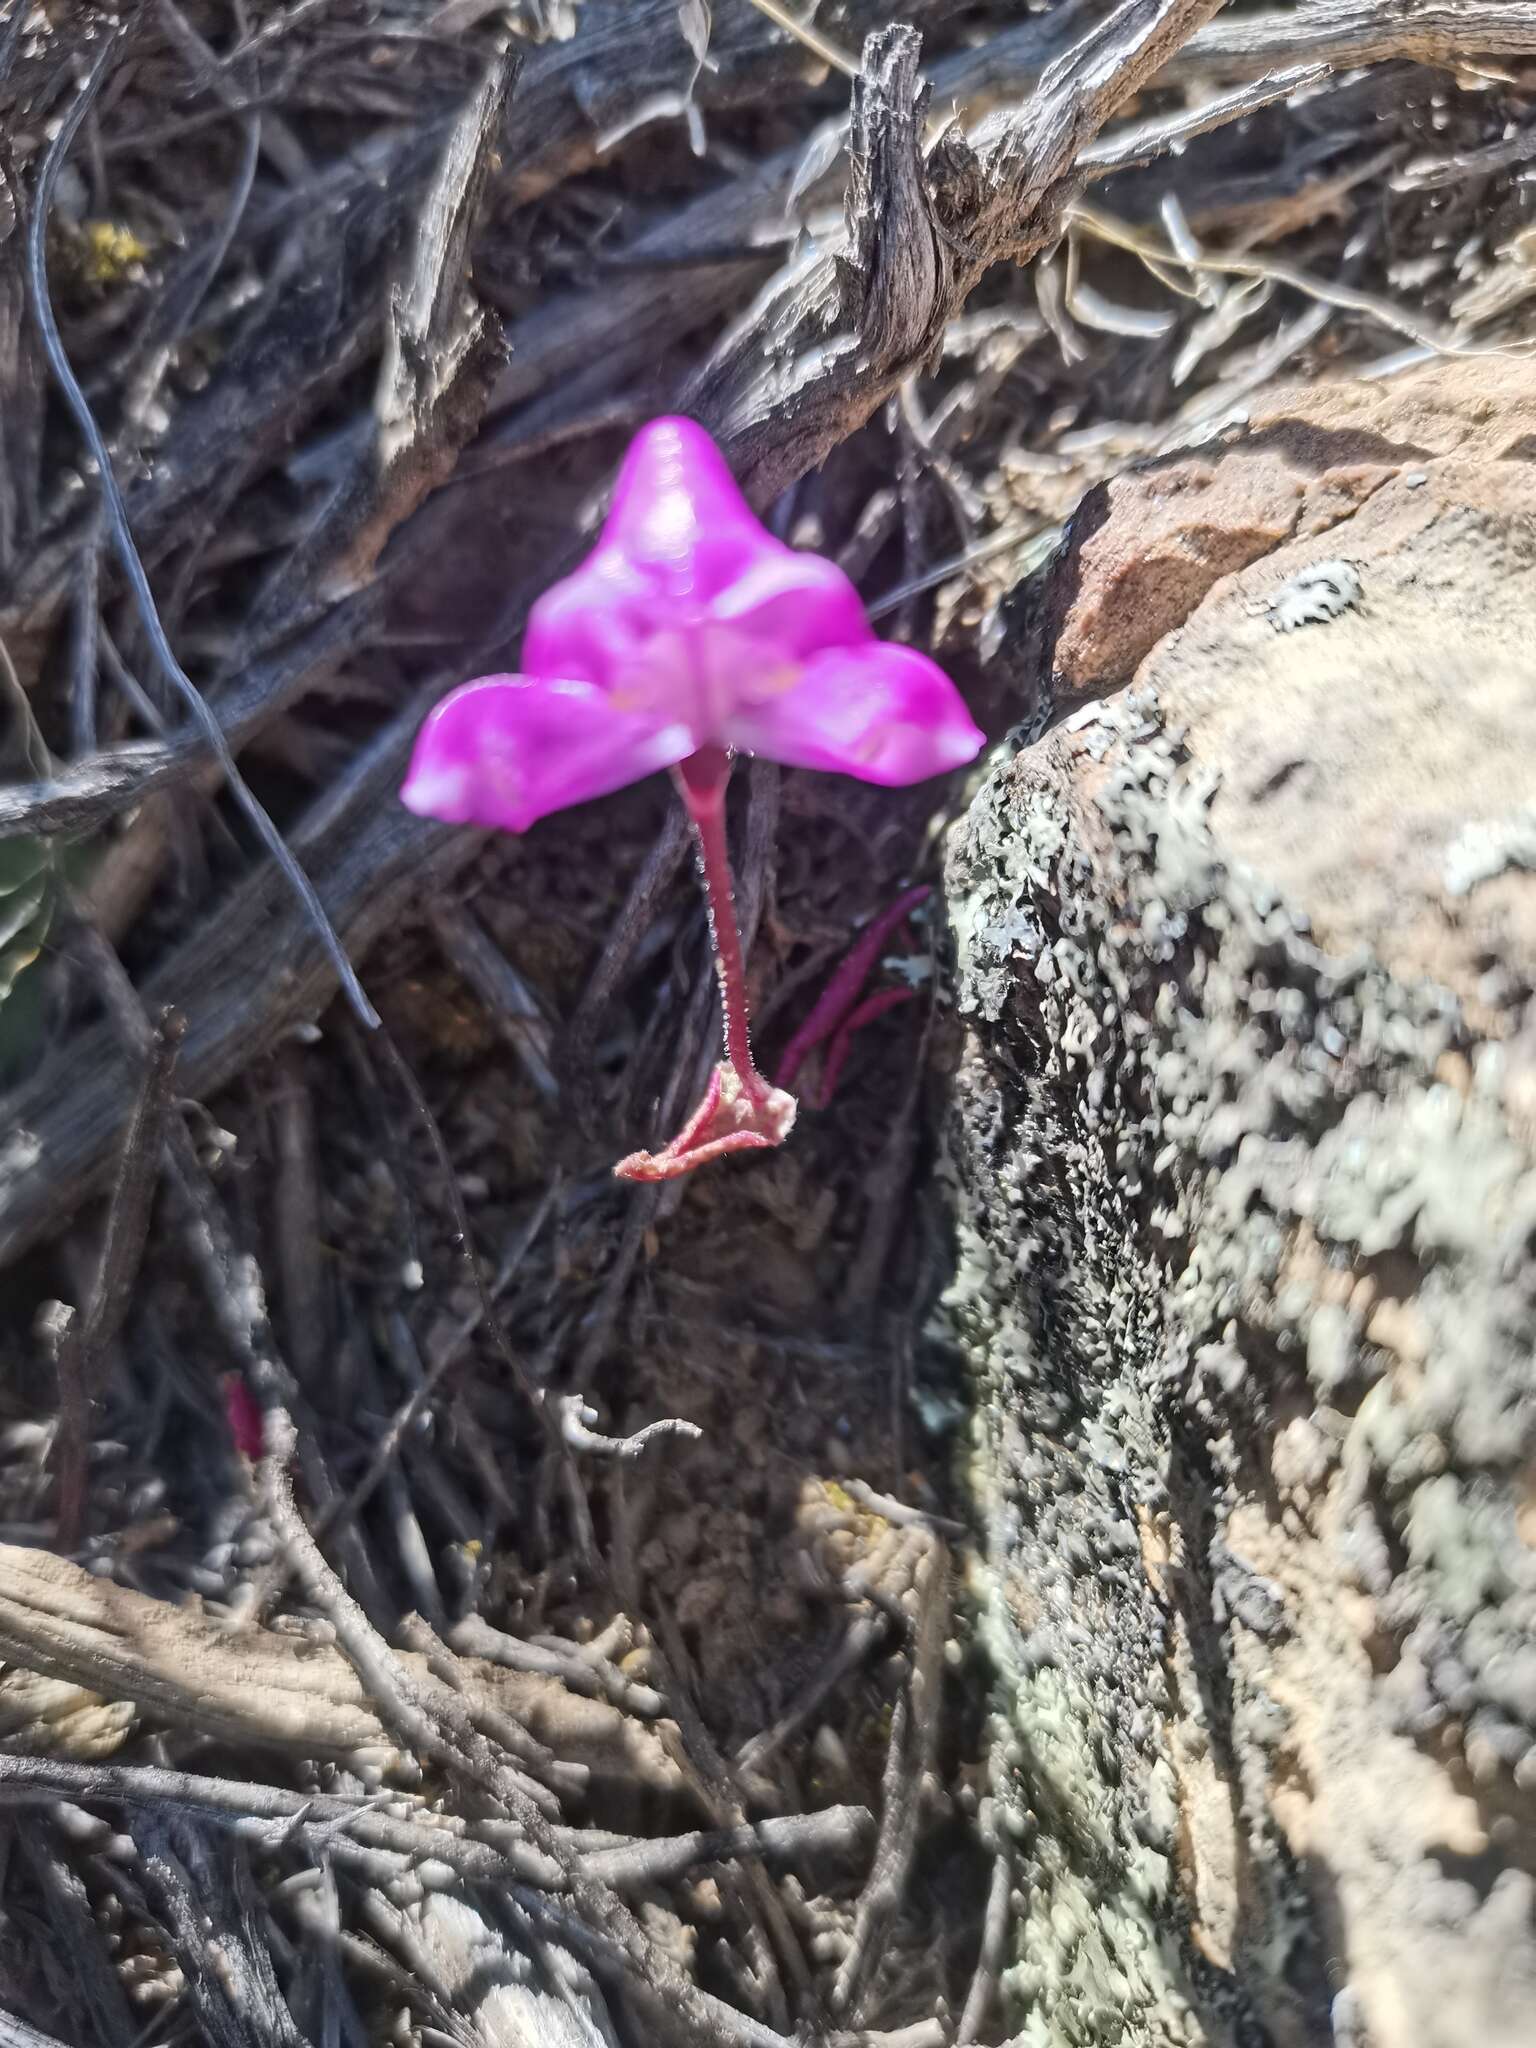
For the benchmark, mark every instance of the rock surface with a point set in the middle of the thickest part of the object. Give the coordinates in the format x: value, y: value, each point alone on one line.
x: 1245, y: 1154
x: 1145, y: 548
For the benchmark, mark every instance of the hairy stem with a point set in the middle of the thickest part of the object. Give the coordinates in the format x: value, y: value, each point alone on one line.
x: 702, y: 781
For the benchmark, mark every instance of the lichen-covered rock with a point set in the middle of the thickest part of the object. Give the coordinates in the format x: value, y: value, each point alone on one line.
x: 1245, y: 1159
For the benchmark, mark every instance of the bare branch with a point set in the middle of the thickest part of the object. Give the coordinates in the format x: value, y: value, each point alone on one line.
x: 847, y: 331
x: 127, y: 548
x: 1450, y: 33
x: 93, y: 1330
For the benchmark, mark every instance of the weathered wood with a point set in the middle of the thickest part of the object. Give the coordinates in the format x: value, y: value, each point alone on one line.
x: 249, y: 973
x: 1449, y: 33
x: 999, y: 200
x: 252, y: 1685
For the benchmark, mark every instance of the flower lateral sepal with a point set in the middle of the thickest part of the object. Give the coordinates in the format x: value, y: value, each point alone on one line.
x: 734, y: 1116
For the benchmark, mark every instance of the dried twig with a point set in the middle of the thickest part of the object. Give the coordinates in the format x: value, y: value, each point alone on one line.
x: 14, y: 2032
x: 127, y: 548
x: 995, y: 1923
x: 840, y: 1832
x: 898, y: 1513
x: 577, y: 1667
x: 233, y: 1984
x: 500, y: 987
x: 577, y: 1417
x: 372, y: 857
x: 440, y: 350
x: 91, y: 1332
x: 1142, y: 143
x: 1449, y: 33
x: 909, y: 1767
x: 1371, y: 304
x: 540, y: 1766
x: 435, y: 1725
x: 92, y: 1988
x: 919, y: 239
x: 806, y: 32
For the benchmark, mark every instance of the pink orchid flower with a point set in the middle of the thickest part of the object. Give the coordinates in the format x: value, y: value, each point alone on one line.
x: 690, y: 634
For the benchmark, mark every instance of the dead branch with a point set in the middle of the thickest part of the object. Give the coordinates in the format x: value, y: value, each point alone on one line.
x: 493, y: 978
x: 94, y: 1991
x: 630, y: 54
x: 398, y: 1828
x: 840, y: 1832
x: 248, y: 976
x: 433, y: 1722
x: 1448, y: 33
x: 995, y: 1923
x: 440, y: 352
x: 204, y: 1905
x: 579, y: 1669
x: 909, y: 1770
x: 15, y: 2033
x: 1144, y: 141
x: 93, y: 1329
x: 127, y: 548
x: 100, y: 786
x: 484, y: 1967
x: 259, y: 1686
x: 402, y: 1826
x: 921, y: 237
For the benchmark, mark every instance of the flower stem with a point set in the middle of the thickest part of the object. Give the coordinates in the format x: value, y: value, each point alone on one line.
x: 702, y: 780
x: 739, y: 1112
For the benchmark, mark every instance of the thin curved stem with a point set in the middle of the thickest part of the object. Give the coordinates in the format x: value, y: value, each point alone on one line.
x: 127, y: 548
x: 702, y: 780
x: 740, y: 1112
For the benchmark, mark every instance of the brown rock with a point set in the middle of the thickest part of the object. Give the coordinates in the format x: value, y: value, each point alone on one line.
x: 1379, y: 765
x: 1144, y: 549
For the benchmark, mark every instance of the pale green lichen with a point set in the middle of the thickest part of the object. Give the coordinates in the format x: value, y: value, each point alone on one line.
x: 1167, y: 1081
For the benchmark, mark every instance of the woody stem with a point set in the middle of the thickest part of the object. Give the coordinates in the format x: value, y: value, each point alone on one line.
x: 701, y: 781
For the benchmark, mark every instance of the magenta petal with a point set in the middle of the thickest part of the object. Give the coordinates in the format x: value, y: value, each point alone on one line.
x: 792, y: 605
x: 596, y: 624
x: 678, y: 515
x: 881, y: 712
x: 507, y: 750
x: 609, y: 624
x: 677, y: 533
x: 686, y: 591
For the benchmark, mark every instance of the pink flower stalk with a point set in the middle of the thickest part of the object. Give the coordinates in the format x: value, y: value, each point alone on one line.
x: 690, y: 634
x: 243, y: 1414
x: 877, y: 1005
x: 832, y: 1006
